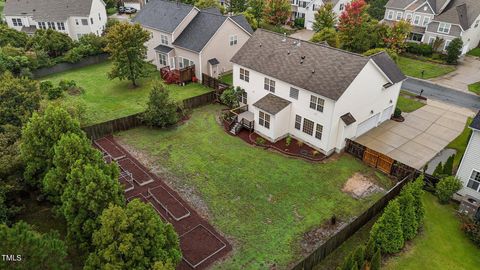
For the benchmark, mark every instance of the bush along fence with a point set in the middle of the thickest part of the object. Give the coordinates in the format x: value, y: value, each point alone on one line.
x: 132, y: 121
x: 87, y: 61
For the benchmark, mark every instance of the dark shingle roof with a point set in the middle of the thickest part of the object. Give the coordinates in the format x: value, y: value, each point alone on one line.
x: 272, y: 104
x: 462, y: 12
x: 163, y: 49
x: 476, y: 122
x: 162, y: 15
x: 400, y: 4
x: 388, y: 66
x: 242, y: 21
x: 48, y: 10
x: 348, y: 119
x: 324, y: 70
x: 213, y: 61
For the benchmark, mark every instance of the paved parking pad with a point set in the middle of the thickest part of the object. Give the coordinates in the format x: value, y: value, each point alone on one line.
x: 424, y: 133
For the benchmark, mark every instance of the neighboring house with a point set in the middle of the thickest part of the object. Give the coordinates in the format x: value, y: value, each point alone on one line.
x: 183, y: 35
x: 445, y: 19
x: 469, y: 170
x: 136, y: 4
x: 72, y: 17
x: 307, y: 9
x: 315, y: 93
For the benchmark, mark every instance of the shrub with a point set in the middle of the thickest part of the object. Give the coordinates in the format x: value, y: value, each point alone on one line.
x: 230, y: 97
x: 419, y: 49
x: 359, y: 255
x: 397, y: 113
x: 454, y: 50
x: 472, y: 230
x: 416, y: 189
x: 370, y: 249
x: 446, y: 188
x: 349, y: 262
x: 329, y: 35
x: 407, y: 211
x: 376, y: 262
x: 448, y: 168
x: 387, y: 231
x: 438, y: 170
x: 260, y: 141
x: 288, y: 141
x: 161, y: 111
x: 299, y: 22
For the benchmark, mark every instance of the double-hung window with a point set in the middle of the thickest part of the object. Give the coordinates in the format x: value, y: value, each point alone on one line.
x: 399, y: 15
x: 308, y: 126
x: 233, y: 40
x: 264, y: 120
x: 269, y: 85
x: 426, y: 21
x: 162, y: 59
x: 244, y: 75
x: 298, y: 122
x: 60, y: 26
x: 416, y: 20
x: 51, y: 25
x: 42, y: 25
x: 243, y: 97
x: 390, y: 15
x: 444, y: 27
x: 184, y: 62
x: 294, y: 93
x: 446, y: 44
x: 317, y: 103
x: 408, y: 17
x: 318, y: 131
x: 164, y: 39
x: 17, y: 22
x: 474, y: 181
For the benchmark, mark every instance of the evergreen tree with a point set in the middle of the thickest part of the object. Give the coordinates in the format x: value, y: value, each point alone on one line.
x: 376, y: 8
x: 324, y: 18
x: 360, y: 256
x: 438, y: 170
x: 161, y: 110
x: 454, y: 50
x: 387, y: 231
x: 376, y: 262
x: 446, y: 188
x: 448, y: 167
x: 349, y: 262
x: 407, y: 211
x: 370, y: 249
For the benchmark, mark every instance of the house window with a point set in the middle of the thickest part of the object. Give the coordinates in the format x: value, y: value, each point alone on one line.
x: 474, y: 181
x: 294, y: 93
x: 341, y: 7
x: 184, y: 62
x: 316, y: 103
x: 17, y: 22
x: 162, y: 59
x: 444, y: 28
x: 319, y: 131
x: 264, y: 119
x: 399, y: 16
x: 298, y: 122
x: 84, y: 22
x: 426, y: 21
x: 164, y: 39
x: 60, y: 26
x: 416, y: 37
x: 91, y: 20
x: 243, y: 97
x: 408, y: 17
x: 431, y: 40
x: 51, y: 25
x: 42, y: 25
x: 99, y: 17
x: 308, y: 126
x: 244, y: 75
x: 390, y: 15
x: 233, y: 40
x: 269, y: 85
x: 447, y: 42
x: 416, y: 20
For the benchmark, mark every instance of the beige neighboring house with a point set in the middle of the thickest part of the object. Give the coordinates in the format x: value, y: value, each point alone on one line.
x: 183, y: 35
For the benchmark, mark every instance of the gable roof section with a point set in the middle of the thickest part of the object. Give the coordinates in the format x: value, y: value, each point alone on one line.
x: 323, y: 70
x: 461, y: 12
x: 242, y: 21
x: 48, y: 10
x: 388, y: 66
x: 163, y: 15
x: 272, y: 104
x: 476, y: 122
x: 399, y: 4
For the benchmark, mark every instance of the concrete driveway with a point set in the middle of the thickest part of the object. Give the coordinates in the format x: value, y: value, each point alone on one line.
x: 423, y: 134
x: 303, y: 34
x: 468, y: 72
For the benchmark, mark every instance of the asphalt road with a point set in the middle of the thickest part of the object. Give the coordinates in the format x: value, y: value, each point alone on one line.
x: 442, y: 93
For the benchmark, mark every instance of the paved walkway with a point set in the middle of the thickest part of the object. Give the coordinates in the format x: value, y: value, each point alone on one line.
x: 423, y: 134
x: 468, y: 72
x: 303, y: 34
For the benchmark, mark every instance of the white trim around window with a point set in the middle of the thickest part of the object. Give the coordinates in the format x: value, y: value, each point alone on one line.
x: 317, y: 103
x: 416, y: 20
x: 426, y: 21
x: 162, y: 59
x: 164, y: 39
x: 269, y: 85
x: 474, y: 181
x: 244, y: 75
x: 447, y: 42
x: 390, y: 14
x: 444, y: 27
x: 233, y: 39
x: 399, y: 15
x: 17, y: 22
x: 264, y: 119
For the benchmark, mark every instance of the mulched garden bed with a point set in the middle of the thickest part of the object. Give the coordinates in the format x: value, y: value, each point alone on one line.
x: 295, y: 148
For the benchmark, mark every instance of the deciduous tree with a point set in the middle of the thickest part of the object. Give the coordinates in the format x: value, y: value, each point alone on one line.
x: 356, y: 29
x: 276, y: 12
x: 256, y: 8
x: 126, y: 45
x: 203, y: 4
x: 376, y: 8
x: 10, y: 36
x: 397, y: 36
x: 133, y: 237
x: 324, y: 18
x: 50, y: 41
x: 328, y: 35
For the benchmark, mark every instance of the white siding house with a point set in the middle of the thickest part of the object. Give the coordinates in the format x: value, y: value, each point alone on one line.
x: 469, y: 170
x: 74, y: 18
x: 315, y: 93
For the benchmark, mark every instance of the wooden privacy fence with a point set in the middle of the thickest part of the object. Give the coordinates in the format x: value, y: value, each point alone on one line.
x: 213, y: 83
x: 351, y: 228
x: 197, y: 101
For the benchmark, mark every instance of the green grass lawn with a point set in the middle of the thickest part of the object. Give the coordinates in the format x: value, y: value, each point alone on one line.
x: 408, y: 104
x: 475, y: 88
x: 413, y: 68
x: 227, y: 78
x: 441, y: 244
x: 107, y: 99
x: 262, y: 200
x: 460, y: 143
x: 474, y: 52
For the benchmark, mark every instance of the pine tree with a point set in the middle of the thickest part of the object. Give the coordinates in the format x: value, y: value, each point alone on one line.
x: 387, y: 231
x: 360, y: 256
x: 416, y: 189
x: 376, y: 261
x: 448, y: 167
x: 407, y: 211
x: 370, y: 249
x: 438, y: 170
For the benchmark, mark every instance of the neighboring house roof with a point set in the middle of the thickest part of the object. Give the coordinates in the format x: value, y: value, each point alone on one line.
x: 48, y: 10
x: 476, y: 122
x: 462, y: 12
x: 314, y: 67
x: 163, y: 49
x: 388, y: 66
x: 242, y: 21
x: 398, y: 4
x: 271, y: 104
x: 348, y: 119
x: 162, y: 15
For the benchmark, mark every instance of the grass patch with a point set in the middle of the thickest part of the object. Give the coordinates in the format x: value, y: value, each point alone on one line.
x: 227, y: 78
x: 407, y: 103
x: 414, y: 68
x: 475, y: 88
x: 460, y: 143
x: 111, y: 11
x: 474, y: 52
x: 441, y: 244
x: 107, y: 99
x: 261, y: 199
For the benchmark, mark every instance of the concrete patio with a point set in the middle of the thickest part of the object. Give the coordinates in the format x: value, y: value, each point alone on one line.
x: 423, y: 134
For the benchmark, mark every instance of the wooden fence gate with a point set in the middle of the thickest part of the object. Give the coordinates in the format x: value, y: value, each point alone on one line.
x: 378, y: 160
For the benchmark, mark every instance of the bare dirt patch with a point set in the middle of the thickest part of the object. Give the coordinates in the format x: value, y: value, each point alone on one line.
x: 317, y: 236
x: 360, y: 186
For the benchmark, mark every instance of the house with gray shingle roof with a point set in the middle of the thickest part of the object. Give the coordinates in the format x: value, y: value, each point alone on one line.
x: 315, y: 93
x: 72, y: 17
x: 444, y: 19
x: 183, y: 35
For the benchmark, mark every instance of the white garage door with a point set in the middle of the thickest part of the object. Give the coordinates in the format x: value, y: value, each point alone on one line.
x: 133, y: 5
x: 367, y: 124
x: 386, y: 114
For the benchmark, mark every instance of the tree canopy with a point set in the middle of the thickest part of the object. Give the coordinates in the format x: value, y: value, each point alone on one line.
x: 10, y: 36
x: 387, y: 231
x: 133, y: 237
x: 454, y: 50
x: 50, y: 41
x: 276, y: 12
x: 161, y: 110
x: 328, y: 35
x: 324, y: 18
